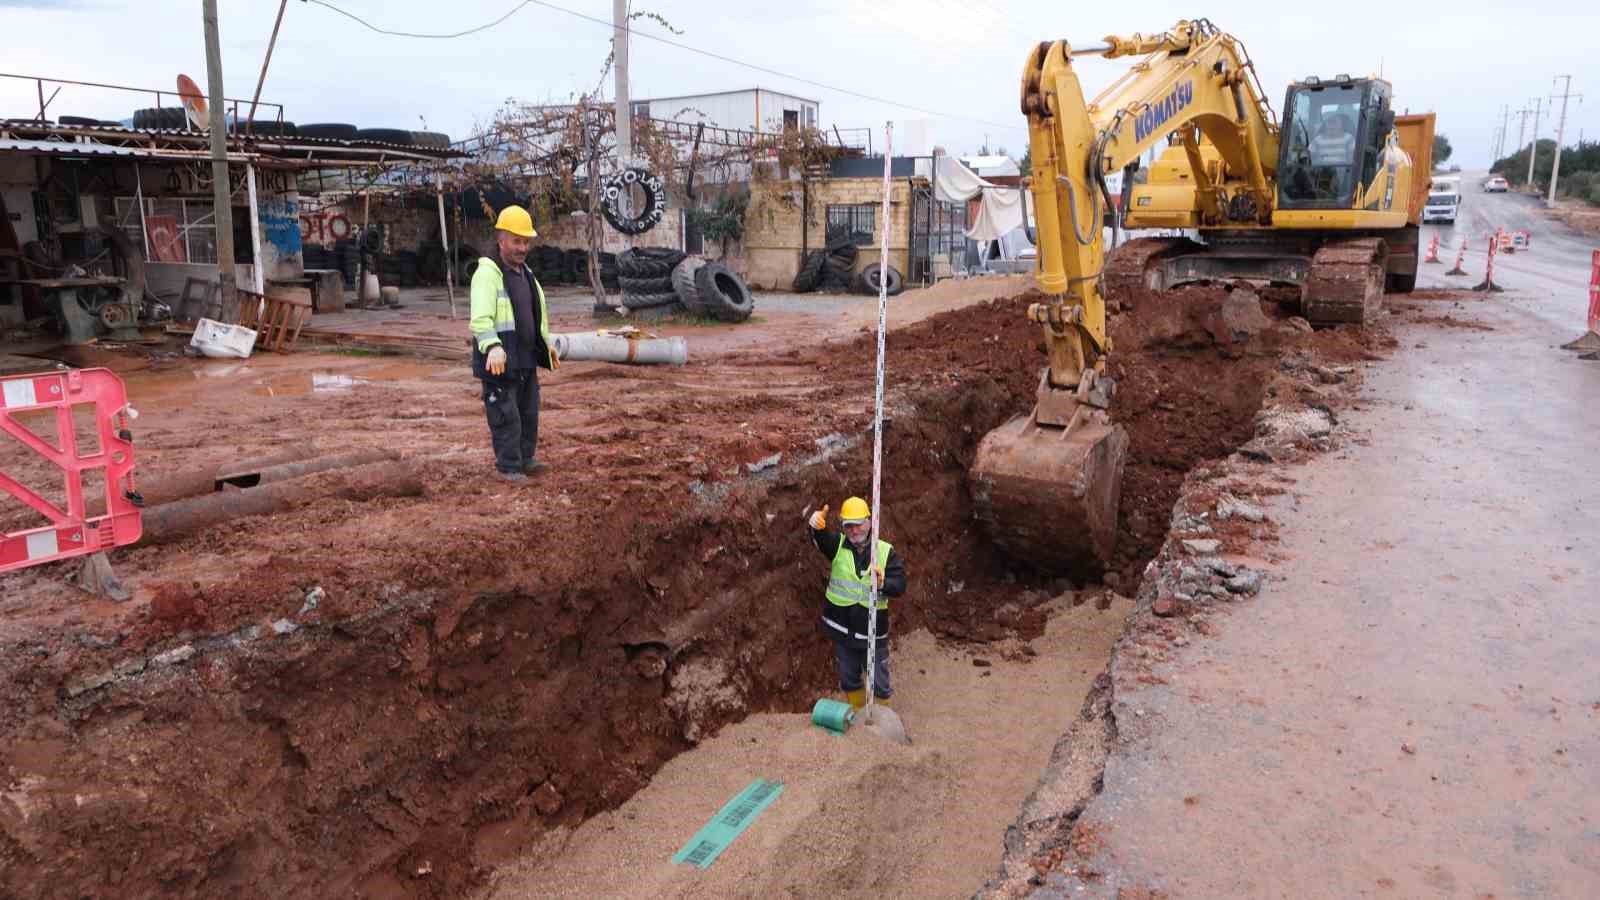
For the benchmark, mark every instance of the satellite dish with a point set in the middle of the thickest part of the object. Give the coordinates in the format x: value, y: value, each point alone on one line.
x: 194, y: 103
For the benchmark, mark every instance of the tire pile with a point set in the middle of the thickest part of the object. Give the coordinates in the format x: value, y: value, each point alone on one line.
x: 173, y: 118
x: 553, y: 265
x: 829, y: 270
x: 666, y: 282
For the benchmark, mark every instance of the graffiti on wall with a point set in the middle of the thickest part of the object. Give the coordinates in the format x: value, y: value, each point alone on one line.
x: 324, y: 226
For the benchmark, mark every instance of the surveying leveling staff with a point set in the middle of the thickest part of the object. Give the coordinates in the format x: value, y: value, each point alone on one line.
x: 844, y: 616
x: 510, y: 342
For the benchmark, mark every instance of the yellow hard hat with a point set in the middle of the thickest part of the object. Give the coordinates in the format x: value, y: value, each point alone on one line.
x: 855, y: 510
x: 516, y: 220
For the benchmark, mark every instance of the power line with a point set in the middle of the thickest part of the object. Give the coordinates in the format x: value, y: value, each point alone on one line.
x: 411, y: 34
x: 671, y: 43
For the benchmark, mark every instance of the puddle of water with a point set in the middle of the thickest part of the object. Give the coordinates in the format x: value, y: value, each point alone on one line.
x: 272, y: 375
x: 301, y: 384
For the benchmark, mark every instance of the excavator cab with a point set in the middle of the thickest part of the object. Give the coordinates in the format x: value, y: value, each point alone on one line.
x: 1333, y: 137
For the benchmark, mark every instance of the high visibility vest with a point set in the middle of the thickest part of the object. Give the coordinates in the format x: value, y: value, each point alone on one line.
x: 847, y: 587
x: 492, y: 313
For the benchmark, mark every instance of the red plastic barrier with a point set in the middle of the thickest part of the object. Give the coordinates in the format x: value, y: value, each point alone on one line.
x: 1594, y: 294
x: 71, y: 532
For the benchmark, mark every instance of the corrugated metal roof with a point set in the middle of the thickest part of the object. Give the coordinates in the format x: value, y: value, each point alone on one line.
x: 245, y: 143
x: 81, y: 148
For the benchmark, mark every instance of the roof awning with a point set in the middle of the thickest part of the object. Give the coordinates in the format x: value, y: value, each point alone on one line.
x: 90, y: 149
x: 89, y: 141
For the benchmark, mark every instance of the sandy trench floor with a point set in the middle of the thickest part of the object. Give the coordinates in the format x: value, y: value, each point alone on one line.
x: 934, y: 812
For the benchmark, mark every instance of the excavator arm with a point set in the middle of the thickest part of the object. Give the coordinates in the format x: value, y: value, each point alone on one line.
x: 1047, y: 486
x: 1193, y: 81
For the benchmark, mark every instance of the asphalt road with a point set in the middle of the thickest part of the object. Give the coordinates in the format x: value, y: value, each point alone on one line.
x: 1410, y: 708
x: 1555, y: 271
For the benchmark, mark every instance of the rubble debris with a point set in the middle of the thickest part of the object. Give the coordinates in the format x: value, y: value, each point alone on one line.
x: 174, y: 656
x: 1229, y: 506
x: 1239, y: 319
x: 1247, y: 582
x: 761, y: 465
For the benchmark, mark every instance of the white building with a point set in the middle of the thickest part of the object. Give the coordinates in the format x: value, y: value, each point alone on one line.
x: 750, y: 109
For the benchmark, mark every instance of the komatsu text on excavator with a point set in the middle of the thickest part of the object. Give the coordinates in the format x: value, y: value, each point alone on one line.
x: 1328, y: 201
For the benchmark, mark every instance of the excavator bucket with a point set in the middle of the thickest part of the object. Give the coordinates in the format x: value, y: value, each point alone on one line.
x: 1049, y: 495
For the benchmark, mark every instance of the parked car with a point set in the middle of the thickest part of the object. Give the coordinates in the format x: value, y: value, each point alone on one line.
x: 1496, y: 185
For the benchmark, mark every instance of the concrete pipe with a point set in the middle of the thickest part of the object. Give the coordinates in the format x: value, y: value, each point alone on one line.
x: 673, y: 351
x: 288, y: 471
x: 187, y: 483
x: 176, y: 520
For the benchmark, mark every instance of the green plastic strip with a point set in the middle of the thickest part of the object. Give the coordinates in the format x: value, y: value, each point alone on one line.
x: 729, y: 822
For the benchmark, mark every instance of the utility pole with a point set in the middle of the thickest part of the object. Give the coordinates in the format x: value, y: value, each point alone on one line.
x: 221, y: 192
x: 1533, y: 148
x: 1561, y: 127
x: 619, y: 19
x: 1522, y: 127
x: 1505, y: 129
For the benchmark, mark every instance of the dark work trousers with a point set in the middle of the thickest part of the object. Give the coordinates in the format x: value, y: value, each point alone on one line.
x: 512, y: 405
x: 852, y: 664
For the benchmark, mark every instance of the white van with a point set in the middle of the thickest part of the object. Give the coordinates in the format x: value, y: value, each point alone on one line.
x: 1444, y: 200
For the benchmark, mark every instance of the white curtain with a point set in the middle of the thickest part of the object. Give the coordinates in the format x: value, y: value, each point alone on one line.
x: 1000, y: 210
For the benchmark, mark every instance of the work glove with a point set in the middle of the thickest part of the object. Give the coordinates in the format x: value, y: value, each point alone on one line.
x: 496, y: 363
x: 555, y: 361
x: 877, y: 576
x: 819, y: 519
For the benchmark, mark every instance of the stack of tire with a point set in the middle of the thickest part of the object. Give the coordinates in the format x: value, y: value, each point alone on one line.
x: 828, y: 269
x: 871, y: 278
x: 659, y: 282
x: 347, y: 259
x: 645, y: 276
x: 577, y: 262
x: 717, y: 291
x: 406, y: 265
x: 549, y: 265
x: 317, y: 256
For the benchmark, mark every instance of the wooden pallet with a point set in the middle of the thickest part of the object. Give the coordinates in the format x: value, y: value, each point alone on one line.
x: 276, y: 320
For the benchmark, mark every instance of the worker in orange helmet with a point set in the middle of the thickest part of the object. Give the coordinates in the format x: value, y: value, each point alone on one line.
x: 844, y: 615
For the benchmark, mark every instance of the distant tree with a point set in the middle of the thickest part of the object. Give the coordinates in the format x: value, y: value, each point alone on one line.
x: 1026, y: 162
x: 1441, y: 148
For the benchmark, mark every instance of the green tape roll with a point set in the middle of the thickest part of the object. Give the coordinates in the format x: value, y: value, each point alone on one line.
x: 832, y: 715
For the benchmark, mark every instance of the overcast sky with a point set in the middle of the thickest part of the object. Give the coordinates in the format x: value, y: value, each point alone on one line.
x: 959, y: 59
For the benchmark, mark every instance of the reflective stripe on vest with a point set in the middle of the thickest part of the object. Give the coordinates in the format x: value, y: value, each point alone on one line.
x: 505, y: 316
x: 846, y: 586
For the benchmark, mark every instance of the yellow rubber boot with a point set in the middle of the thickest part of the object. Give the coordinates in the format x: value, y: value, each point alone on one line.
x: 882, y: 701
x: 857, y: 699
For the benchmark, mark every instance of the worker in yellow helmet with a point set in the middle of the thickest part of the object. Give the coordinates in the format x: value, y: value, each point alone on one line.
x: 510, y: 343
x: 844, y: 615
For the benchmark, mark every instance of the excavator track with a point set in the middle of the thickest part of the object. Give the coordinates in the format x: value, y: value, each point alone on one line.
x: 1345, y: 284
x: 1128, y: 269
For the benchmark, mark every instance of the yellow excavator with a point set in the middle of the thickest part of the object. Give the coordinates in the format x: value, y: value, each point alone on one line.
x: 1329, y: 201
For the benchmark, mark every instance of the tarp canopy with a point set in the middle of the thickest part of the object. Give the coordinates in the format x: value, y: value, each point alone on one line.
x: 999, y: 211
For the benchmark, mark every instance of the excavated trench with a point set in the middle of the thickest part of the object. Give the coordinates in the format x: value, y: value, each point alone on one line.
x: 349, y: 758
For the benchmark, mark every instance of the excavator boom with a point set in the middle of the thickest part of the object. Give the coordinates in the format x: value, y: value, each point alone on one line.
x: 1047, y: 486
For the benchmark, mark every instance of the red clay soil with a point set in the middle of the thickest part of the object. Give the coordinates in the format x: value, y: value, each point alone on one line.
x: 487, y: 655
